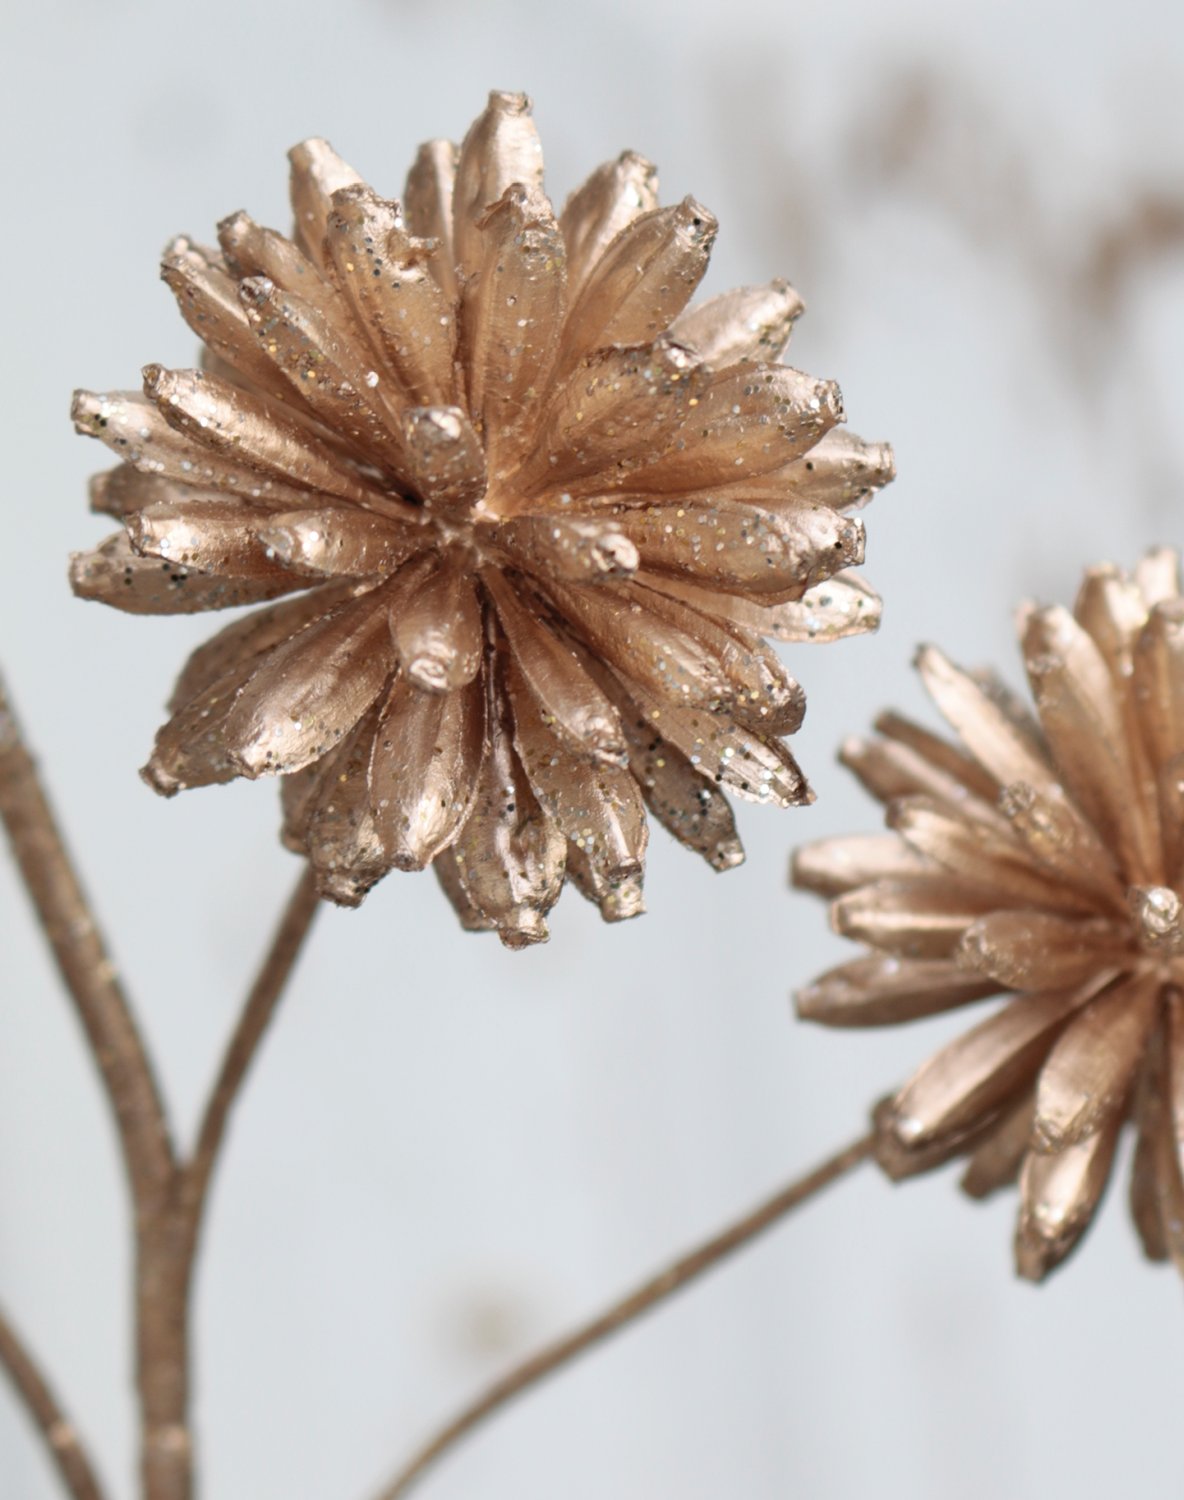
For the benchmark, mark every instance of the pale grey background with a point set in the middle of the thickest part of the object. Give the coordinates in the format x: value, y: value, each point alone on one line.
x: 449, y: 1151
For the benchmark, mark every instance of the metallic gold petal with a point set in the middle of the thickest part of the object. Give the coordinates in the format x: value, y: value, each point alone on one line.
x: 984, y: 1068
x: 312, y: 689
x: 1088, y: 1073
x: 613, y: 415
x: 940, y: 753
x: 132, y: 427
x: 1083, y: 723
x: 1058, y: 838
x: 841, y: 470
x: 249, y: 430
x: 919, y: 917
x: 113, y: 574
x: 444, y: 459
x: 838, y: 607
x: 996, y: 1162
x: 438, y: 631
x: 501, y: 147
x: 255, y: 633
x: 1150, y: 1117
x: 512, y: 309
x: 1158, y: 575
x: 334, y: 541
x: 573, y: 549
x: 120, y: 491
x: 427, y: 204
x: 1058, y: 1196
x: 471, y: 918
x: 317, y: 173
x: 759, y: 554
x: 747, y: 421
x: 889, y: 769
x: 509, y: 857
x: 618, y: 900
x: 344, y: 846
x: 596, y: 807
x: 1030, y: 950
x: 213, y: 536
x: 387, y: 278
x: 252, y: 250
x: 749, y: 323
x: 830, y: 867
x: 642, y: 281
x: 881, y: 990
x: 191, y: 748
x: 560, y: 693
x: 1159, y: 682
x: 427, y: 755
x: 612, y: 197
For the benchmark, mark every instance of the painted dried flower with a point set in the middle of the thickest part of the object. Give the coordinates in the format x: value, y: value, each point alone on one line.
x: 534, y: 513
x: 1043, y: 857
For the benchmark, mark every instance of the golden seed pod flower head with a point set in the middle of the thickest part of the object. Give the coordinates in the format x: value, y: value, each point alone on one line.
x: 1041, y: 857
x: 529, y: 512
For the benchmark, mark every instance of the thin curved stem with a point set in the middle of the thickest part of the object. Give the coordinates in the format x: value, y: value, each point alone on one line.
x: 85, y: 965
x: 265, y: 995
x: 58, y: 1433
x: 642, y: 1300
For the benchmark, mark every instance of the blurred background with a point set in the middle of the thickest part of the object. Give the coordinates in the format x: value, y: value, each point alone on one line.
x: 449, y: 1152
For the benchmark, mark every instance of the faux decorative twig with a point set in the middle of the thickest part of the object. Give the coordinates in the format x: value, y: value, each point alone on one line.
x: 169, y: 1194
x: 642, y: 1300
x: 59, y: 1434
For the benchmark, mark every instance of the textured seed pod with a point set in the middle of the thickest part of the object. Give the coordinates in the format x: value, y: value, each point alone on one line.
x: 534, y: 511
x: 1042, y: 857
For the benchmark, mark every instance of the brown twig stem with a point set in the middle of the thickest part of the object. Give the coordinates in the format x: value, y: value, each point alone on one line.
x: 642, y: 1300
x: 59, y: 1434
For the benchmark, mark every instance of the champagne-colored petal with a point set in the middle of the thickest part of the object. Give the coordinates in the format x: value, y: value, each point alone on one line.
x: 755, y: 768
x: 612, y: 197
x: 984, y: 1068
x: 386, y: 276
x: 1174, y: 1070
x: 574, y: 549
x: 748, y: 421
x: 880, y: 990
x: 120, y: 491
x: 249, y: 430
x: 749, y: 323
x: 617, y: 899
x: 255, y: 633
x: 501, y: 147
x: 132, y: 427
x: 614, y: 415
x: 335, y: 541
x: 444, y: 459
x: 980, y: 855
x: 191, y: 749
x: 900, y: 1161
x: 310, y: 691
x: 1087, y: 1076
x: 427, y: 754
x: 336, y: 378
x: 841, y: 470
x: 1158, y: 575
x: 889, y: 769
x: 512, y: 310
x: 995, y: 1163
x: 682, y: 657
x: 1083, y: 723
x: 1110, y: 606
x: 597, y: 807
x: 940, y: 753
x: 214, y: 536
x: 1030, y: 950
x: 1159, y: 682
x: 427, y: 205
x: 252, y: 250
x: 642, y: 281
x: 472, y: 919
x: 759, y: 554
x: 344, y: 846
x: 509, y: 857
x: 209, y: 302
x: 560, y: 694
x: 919, y: 917
x: 841, y: 606
x: 1058, y: 1196
x: 438, y: 630
x: 987, y: 731
x: 317, y: 173
x: 1058, y: 838
x: 1150, y: 1116
x: 830, y: 867
x: 113, y: 574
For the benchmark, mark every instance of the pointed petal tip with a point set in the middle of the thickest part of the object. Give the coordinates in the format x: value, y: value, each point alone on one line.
x: 624, y: 902
x: 161, y: 782
x: 524, y: 929
x: 510, y: 102
x: 727, y: 855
